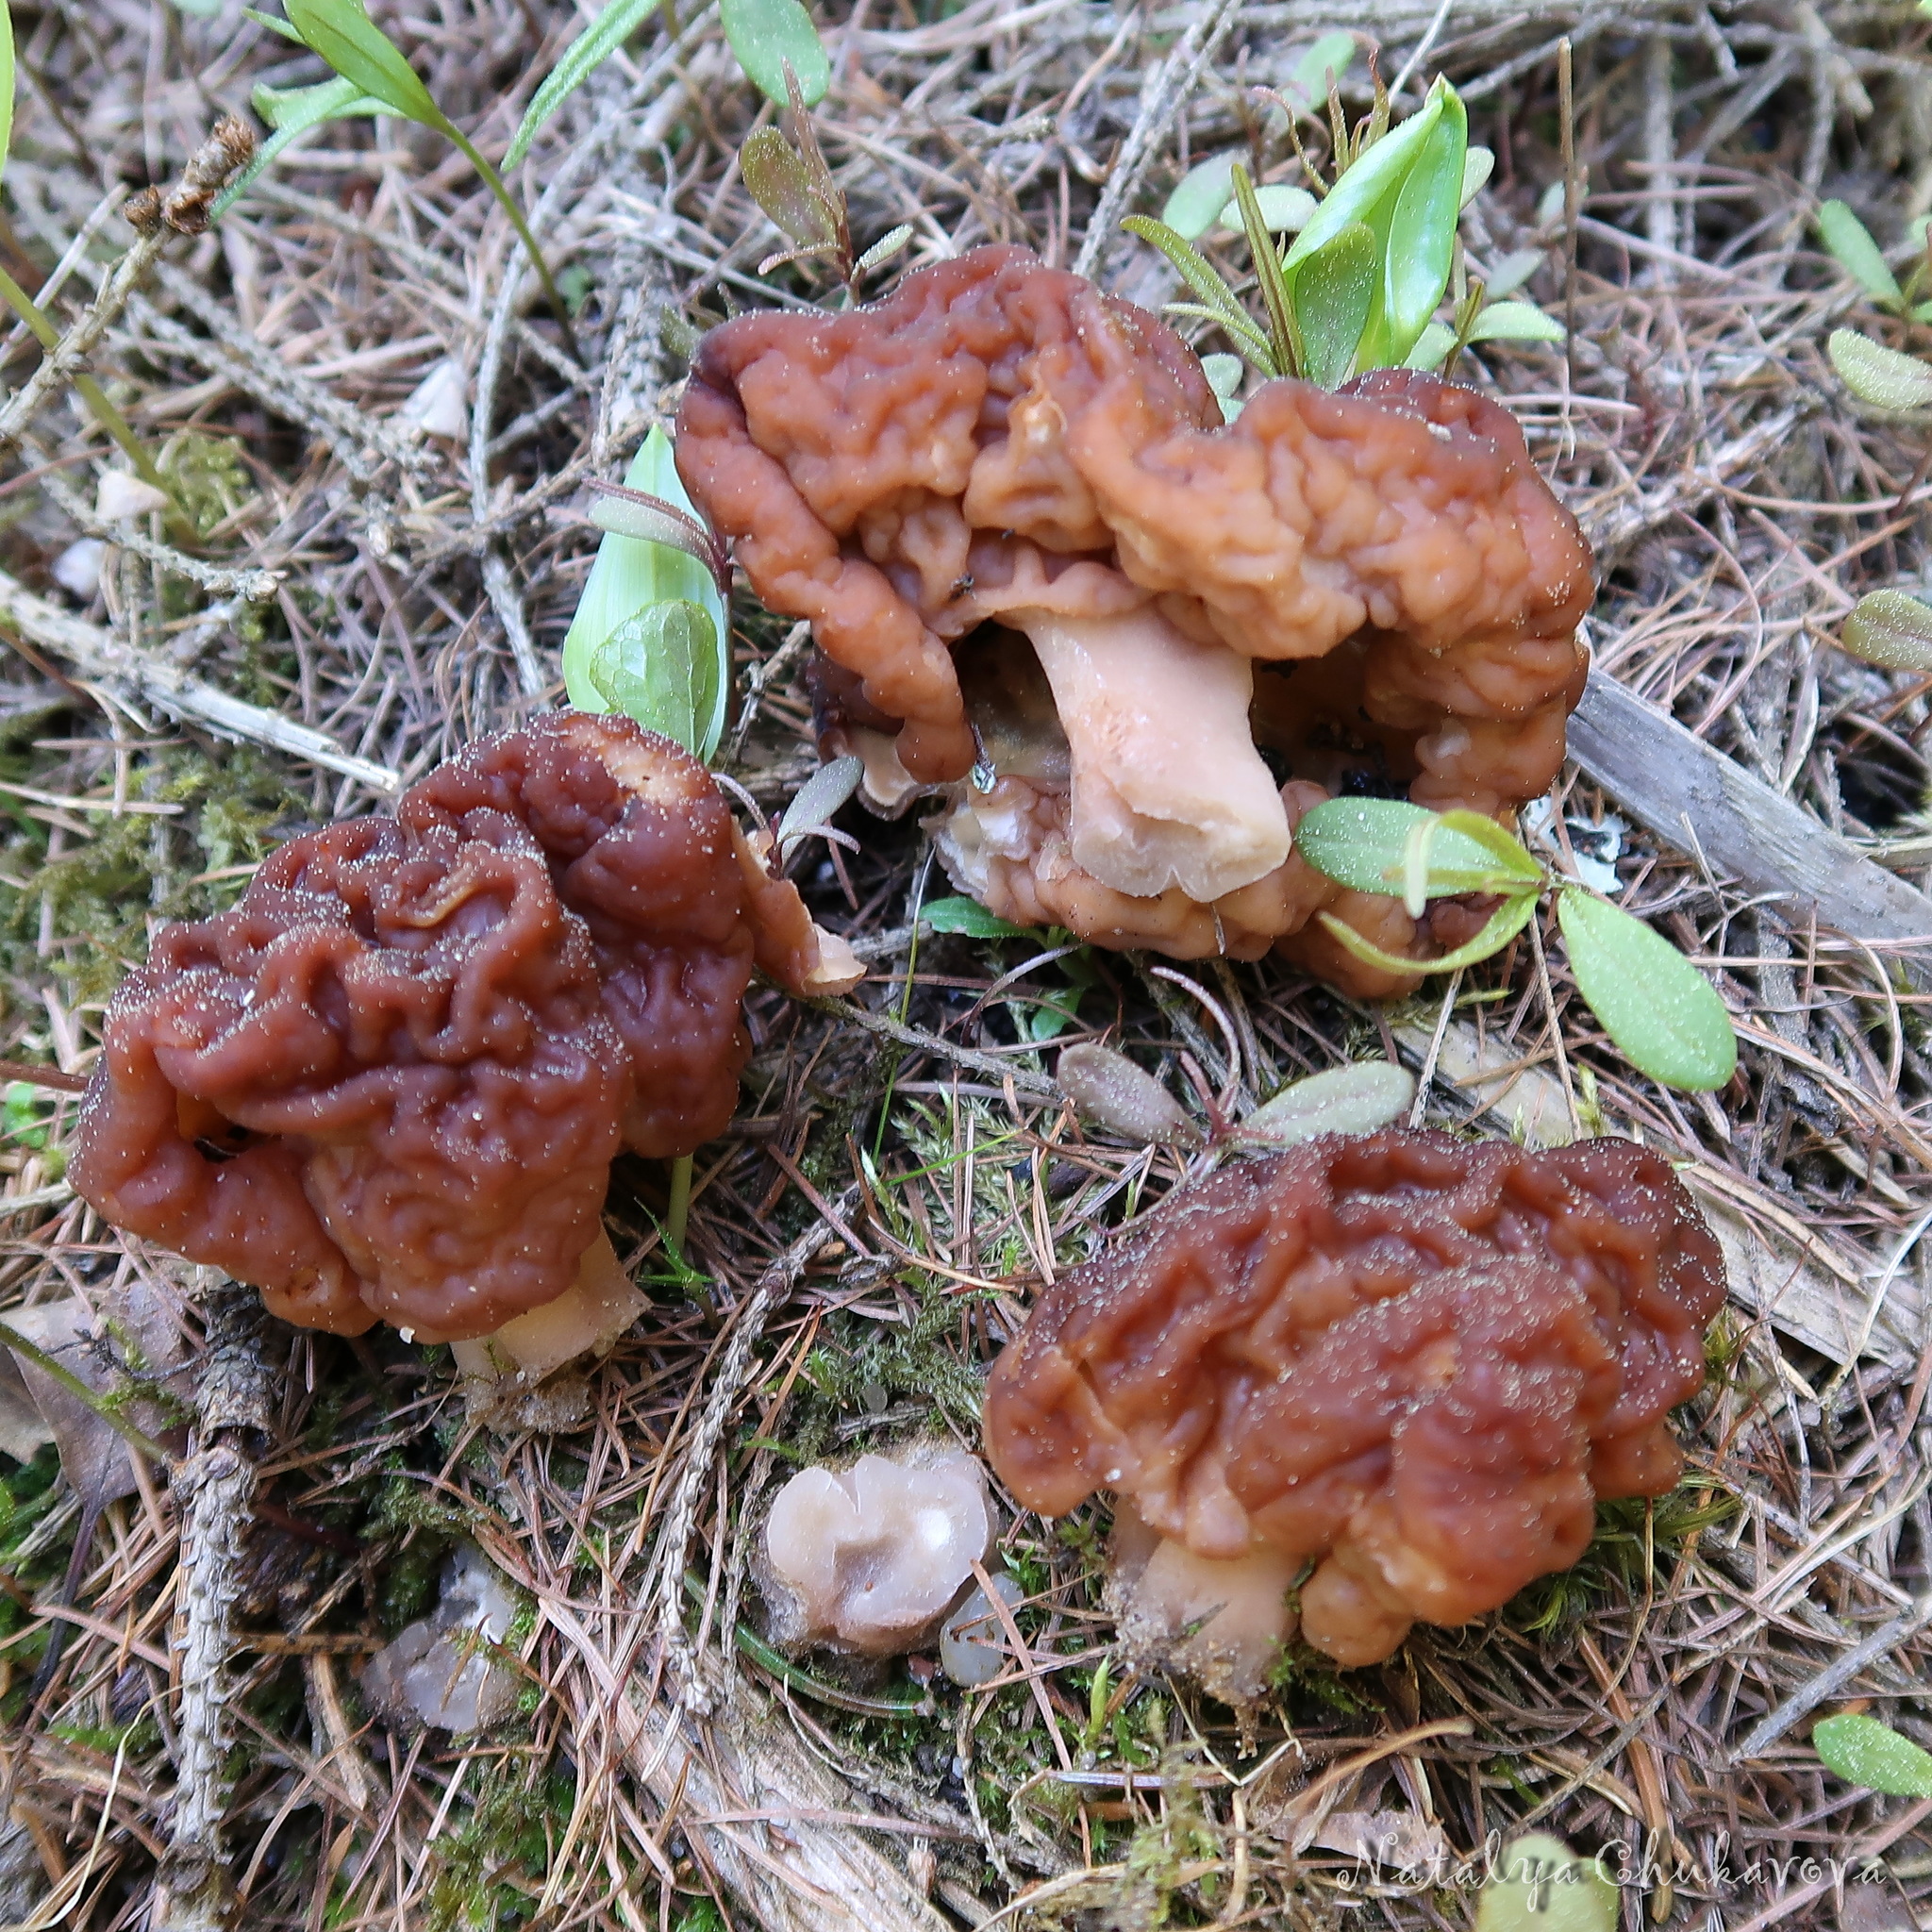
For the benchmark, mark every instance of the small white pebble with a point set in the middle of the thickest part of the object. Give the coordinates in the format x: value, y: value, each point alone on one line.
x: 78, y: 569
x: 119, y: 495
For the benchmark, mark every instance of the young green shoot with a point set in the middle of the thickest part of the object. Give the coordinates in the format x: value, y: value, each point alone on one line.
x: 1370, y: 254
x: 790, y: 182
x: 376, y: 78
x: 767, y: 36
x: 1662, y: 1013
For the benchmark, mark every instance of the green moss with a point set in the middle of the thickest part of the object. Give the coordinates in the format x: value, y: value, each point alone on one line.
x: 492, y: 1867
x: 94, y: 897
x: 1624, y: 1545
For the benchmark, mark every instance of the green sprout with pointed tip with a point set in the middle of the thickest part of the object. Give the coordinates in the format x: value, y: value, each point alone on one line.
x: 1369, y: 253
x: 372, y: 77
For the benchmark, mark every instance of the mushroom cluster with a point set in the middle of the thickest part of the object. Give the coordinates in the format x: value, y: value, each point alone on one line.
x: 390, y: 1082
x: 1409, y: 1362
x: 1133, y: 643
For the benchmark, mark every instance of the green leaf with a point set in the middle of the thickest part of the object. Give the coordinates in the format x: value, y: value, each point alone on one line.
x: 1479, y: 164
x: 1864, y: 1752
x: 291, y: 112
x: 1512, y: 273
x: 1510, y: 857
x: 883, y: 250
x: 782, y: 185
x: 1378, y: 175
x: 1851, y: 244
x: 1878, y: 375
x: 1202, y: 276
x: 1422, y: 235
x: 1345, y: 1100
x: 1332, y: 54
x: 343, y: 34
x: 660, y: 667
x: 1890, y: 629
x: 1362, y: 844
x: 1540, y: 1884
x: 274, y: 25
x: 817, y: 801
x: 579, y: 61
x: 1224, y: 374
x: 765, y: 34
x: 1430, y: 347
x: 1333, y: 295
x: 970, y: 917
x: 1664, y: 1016
x: 1515, y: 322
x: 5, y: 80
x: 1200, y: 196
x: 1284, y: 337
x: 631, y: 574
x: 1504, y: 923
x: 1284, y: 209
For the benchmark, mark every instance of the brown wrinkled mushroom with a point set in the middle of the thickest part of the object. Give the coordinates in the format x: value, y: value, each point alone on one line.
x: 1027, y: 544
x: 390, y: 1082
x: 1412, y: 1362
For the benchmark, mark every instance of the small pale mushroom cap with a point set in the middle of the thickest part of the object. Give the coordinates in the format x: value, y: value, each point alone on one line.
x: 869, y: 1558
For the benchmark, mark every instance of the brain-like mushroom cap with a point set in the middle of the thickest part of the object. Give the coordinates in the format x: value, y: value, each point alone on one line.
x: 999, y: 447
x: 1417, y: 1360
x: 388, y: 1083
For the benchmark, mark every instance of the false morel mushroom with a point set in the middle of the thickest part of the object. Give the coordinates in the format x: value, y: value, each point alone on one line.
x: 1409, y: 1362
x: 390, y: 1082
x: 1135, y: 644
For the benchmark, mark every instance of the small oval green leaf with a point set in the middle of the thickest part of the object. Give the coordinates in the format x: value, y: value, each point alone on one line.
x: 1430, y: 347
x: 1663, y: 1015
x: 1285, y: 210
x: 1878, y: 375
x: 782, y: 184
x: 968, y: 916
x: 1345, y: 1100
x: 1540, y: 1884
x: 1851, y: 244
x: 343, y: 34
x: 1890, y: 629
x: 1515, y: 322
x: 1864, y: 1752
x: 1332, y: 296
x: 765, y: 34
x: 1332, y: 55
x: 1363, y: 844
x: 1200, y: 195
x: 1479, y: 164
x: 1108, y: 1088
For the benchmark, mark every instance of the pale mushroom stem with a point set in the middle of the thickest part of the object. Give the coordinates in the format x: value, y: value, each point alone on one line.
x: 1167, y: 786
x: 586, y: 1319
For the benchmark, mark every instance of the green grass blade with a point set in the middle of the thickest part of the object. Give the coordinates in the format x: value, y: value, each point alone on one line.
x: 580, y: 59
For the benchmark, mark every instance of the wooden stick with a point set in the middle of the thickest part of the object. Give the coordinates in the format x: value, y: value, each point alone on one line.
x: 1692, y: 796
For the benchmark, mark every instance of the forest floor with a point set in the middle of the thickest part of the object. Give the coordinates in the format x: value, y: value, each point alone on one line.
x: 386, y: 448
